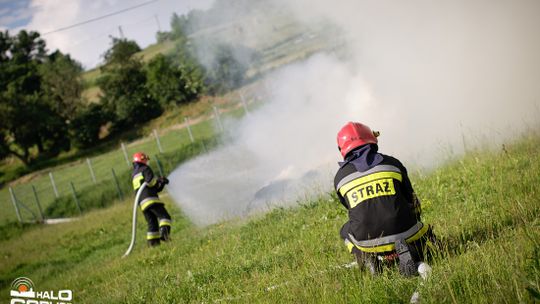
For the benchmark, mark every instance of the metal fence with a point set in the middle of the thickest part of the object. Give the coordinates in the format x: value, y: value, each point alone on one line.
x: 29, y: 199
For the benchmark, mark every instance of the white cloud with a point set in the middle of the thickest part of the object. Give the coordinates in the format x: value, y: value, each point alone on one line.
x: 88, y: 42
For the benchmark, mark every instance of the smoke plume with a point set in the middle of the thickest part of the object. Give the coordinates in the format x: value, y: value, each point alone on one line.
x: 434, y: 77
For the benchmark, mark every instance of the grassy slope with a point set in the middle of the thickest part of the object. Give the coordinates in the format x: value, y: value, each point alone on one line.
x: 484, y: 207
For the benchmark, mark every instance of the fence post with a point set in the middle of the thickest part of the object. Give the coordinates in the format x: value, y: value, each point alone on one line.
x: 157, y: 141
x: 124, y: 150
x: 159, y: 166
x: 244, y: 104
x: 186, y: 120
x: 204, y: 146
x: 54, y: 185
x: 38, y: 203
x: 75, y: 197
x: 120, y: 194
x: 218, y: 119
x: 14, y: 201
x: 89, y: 162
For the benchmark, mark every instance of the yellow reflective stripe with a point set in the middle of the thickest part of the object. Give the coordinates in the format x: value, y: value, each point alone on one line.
x: 153, y: 182
x: 152, y: 235
x: 390, y: 247
x: 149, y: 202
x: 164, y: 222
x: 137, y: 180
x: 350, y: 246
x: 369, y: 178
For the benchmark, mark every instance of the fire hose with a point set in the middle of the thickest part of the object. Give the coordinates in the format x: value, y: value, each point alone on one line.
x: 134, y: 224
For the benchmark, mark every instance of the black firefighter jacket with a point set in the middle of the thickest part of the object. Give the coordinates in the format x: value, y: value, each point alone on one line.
x: 149, y: 196
x: 381, y: 203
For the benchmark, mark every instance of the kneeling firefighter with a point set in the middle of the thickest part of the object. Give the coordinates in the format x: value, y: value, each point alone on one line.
x: 157, y: 217
x: 384, y: 212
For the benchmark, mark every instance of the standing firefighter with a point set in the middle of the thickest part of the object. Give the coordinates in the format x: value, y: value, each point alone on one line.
x: 384, y: 212
x: 157, y: 217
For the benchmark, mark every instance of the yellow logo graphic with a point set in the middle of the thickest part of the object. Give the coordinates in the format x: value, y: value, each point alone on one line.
x: 369, y: 190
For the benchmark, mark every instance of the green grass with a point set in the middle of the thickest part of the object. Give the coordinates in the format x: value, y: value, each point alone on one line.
x: 484, y: 207
x: 155, y: 49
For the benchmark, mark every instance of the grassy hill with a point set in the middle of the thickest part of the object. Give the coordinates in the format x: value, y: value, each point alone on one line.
x: 484, y: 207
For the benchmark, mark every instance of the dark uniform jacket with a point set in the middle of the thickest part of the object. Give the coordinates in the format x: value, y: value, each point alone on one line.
x: 149, y: 196
x: 381, y: 203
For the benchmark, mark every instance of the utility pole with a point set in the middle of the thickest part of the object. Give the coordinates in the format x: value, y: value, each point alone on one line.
x: 157, y: 22
x: 121, y: 32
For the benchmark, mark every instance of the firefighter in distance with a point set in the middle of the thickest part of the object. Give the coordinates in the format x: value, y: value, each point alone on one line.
x: 157, y: 217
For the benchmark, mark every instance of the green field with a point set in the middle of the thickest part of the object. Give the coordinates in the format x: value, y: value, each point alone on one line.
x: 484, y: 207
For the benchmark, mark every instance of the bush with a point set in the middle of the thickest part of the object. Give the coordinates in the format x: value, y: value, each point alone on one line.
x: 169, y: 83
x: 84, y: 129
x: 126, y: 95
x: 226, y: 66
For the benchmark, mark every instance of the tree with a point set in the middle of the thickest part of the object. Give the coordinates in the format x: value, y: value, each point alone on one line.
x: 85, y: 127
x: 126, y: 96
x: 61, y: 84
x: 27, y: 120
x: 169, y: 83
x: 163, y: 36
x: 121, y: 51
x: 179, y: 26
x: 226, y: 67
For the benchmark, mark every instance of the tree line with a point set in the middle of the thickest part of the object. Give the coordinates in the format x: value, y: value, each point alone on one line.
x: 43, y: 113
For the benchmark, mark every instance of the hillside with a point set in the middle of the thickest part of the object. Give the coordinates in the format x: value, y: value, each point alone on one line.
x: 484, y: 207
x: 285, y: 40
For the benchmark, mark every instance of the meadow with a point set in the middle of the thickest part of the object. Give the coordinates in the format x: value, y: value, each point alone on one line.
x: 484, y: 207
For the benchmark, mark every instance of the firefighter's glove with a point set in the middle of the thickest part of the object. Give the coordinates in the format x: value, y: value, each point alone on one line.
x: 163, y: 180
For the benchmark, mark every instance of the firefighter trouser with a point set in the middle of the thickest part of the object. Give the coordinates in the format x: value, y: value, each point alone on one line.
x: 159, y: 223
x: 420, y: 250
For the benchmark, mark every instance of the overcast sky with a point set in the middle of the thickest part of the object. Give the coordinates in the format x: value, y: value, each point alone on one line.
x: 88, y: 42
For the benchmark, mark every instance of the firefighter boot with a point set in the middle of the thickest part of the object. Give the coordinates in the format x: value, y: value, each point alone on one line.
x: 165, y: 233
x: 407, y: 265
x: 153, y: 242
x: 369, y: 262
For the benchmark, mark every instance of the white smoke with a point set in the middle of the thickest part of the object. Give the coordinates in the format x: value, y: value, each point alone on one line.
x: 426, y: 74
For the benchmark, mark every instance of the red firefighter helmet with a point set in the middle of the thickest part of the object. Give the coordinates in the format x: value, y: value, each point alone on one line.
x: 140, y: 157
x: 353, y: 135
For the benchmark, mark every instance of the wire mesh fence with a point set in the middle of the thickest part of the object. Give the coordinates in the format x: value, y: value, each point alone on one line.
x: 93, y: 182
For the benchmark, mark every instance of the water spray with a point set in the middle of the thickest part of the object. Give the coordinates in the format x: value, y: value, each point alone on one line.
x: 134, y: 224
